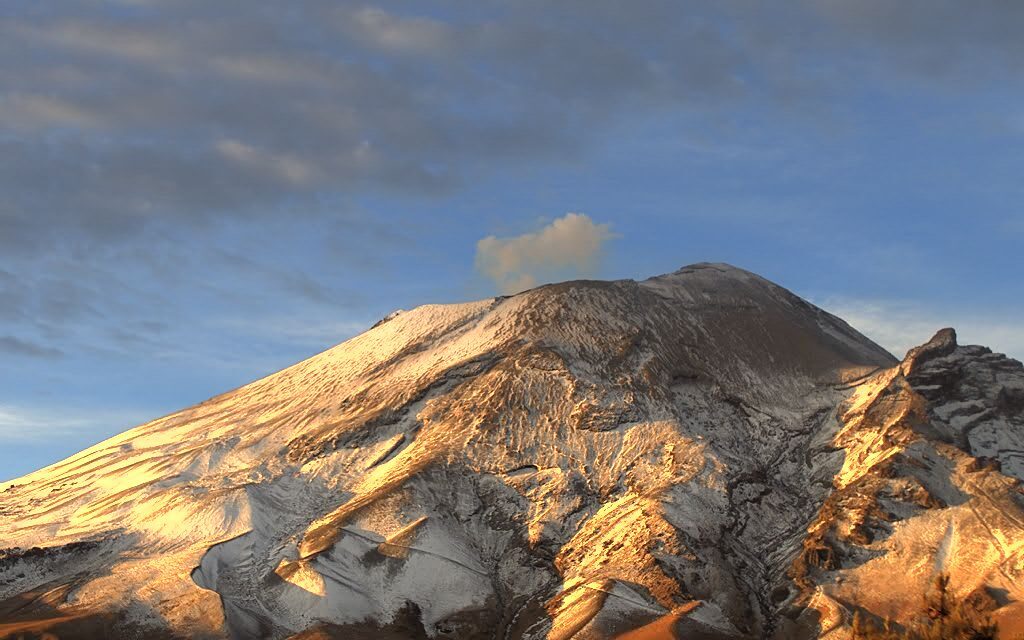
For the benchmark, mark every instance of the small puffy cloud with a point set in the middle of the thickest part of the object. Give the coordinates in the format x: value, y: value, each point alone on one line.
x: 569, y: 246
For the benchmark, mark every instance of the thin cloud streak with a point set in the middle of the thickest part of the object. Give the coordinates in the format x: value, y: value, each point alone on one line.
x: 14, y: 346
x: 34, y: 424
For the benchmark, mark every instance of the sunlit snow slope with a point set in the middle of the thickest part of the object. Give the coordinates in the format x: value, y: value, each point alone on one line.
x: 702, y: 454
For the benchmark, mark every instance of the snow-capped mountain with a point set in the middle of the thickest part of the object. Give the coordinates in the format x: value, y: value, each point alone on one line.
x: 702, y: 455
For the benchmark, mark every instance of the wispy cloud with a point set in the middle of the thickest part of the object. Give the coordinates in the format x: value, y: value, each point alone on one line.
x: 570, y: 245
x: 899, y: 326
x: 288, y: 167
x: 37, y: 424
x: 12, y: 345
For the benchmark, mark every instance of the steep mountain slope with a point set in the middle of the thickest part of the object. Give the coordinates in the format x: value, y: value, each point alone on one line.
x: 701, y: 454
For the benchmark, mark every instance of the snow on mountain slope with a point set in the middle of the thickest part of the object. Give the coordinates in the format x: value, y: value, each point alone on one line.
x: 582, y: 460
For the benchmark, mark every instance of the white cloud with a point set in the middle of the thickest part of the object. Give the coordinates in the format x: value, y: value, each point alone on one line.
x: 569, y: 246
x: 899, y: 326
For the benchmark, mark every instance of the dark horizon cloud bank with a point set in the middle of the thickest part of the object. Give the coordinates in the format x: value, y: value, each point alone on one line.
x: 196, y: 194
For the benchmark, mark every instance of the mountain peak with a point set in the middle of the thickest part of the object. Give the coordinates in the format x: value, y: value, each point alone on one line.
x: 941, y: 344
x: 721, y: 267
x: 575, y: 461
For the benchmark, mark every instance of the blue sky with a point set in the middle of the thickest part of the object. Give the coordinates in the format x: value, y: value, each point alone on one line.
x: 197, y: 194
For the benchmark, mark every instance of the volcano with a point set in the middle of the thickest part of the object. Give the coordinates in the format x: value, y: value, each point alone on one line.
x: 702, y: 454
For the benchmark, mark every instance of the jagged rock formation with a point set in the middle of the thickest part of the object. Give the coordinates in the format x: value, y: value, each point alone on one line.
x: 699, y: 455
x: 931, y: 482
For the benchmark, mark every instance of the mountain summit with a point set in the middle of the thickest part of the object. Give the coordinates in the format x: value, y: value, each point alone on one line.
x: 702, y: 454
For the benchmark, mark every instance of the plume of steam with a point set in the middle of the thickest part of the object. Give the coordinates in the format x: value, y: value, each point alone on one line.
x: 568, y: 246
